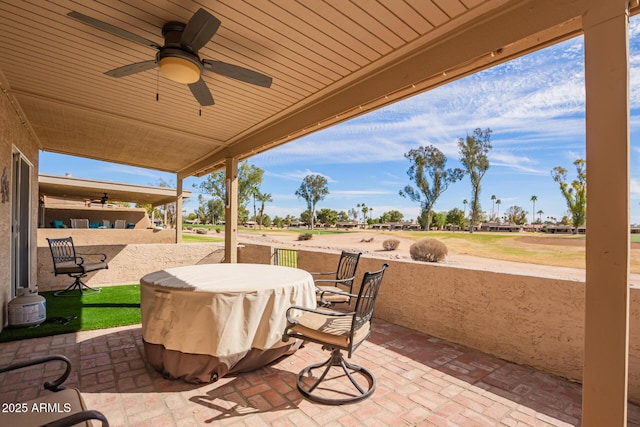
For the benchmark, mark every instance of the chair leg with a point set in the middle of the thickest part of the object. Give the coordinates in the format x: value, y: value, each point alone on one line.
x: 336, y: 359
x: 78, y: 284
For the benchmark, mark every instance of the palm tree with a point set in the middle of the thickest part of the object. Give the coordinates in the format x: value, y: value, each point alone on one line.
x: 493, y: 205
x: 540, y: 213
x: 498, y: 202
x: 533, y: 212
x: 465, y: 202
x: 263, y: 198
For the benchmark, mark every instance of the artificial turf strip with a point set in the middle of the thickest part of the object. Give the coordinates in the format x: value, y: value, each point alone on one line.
x: 113, y: 306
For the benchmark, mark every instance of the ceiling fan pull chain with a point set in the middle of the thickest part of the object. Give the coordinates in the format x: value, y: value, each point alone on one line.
x: 200, y: 112
x: 158, y: 86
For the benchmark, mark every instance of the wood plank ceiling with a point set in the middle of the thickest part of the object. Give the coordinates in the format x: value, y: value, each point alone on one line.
x: 329, y: 60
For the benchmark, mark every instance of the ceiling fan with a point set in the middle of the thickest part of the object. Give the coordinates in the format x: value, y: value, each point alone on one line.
x: 178, y: 59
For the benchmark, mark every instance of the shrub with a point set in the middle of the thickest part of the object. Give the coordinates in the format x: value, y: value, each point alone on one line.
x: 305, y: 236
x: 201, y: 230
x: 429, y: 250
x: 391, y: 244
x: 218, y: 230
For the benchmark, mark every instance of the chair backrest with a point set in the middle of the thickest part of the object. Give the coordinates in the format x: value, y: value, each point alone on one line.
x: 367, y: 298
x: 106, y: 223
x: 120, y: 223
x: 347, y: 268
x: 79, y: 223
x: 62, y: 250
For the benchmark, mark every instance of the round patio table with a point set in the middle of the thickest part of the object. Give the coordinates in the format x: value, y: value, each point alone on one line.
x: 202, y: 322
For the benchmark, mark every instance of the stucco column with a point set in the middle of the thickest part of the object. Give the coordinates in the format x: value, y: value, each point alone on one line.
x: 231, y: 211
x: 178, y: 208
x: 604, y: 399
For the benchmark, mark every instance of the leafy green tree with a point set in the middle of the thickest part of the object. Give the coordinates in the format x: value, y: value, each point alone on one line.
x: 215, y: 210
x: 439, y: 219
x: 327, y: 216
x: 266, y: 221
x: 313, y: 189
x: 455, y: 217
x: 395, y: 216
x: 428, y: 172
x: 343, y: 216
x: 306, y: 217
x: 288, y: 220
x: 249, y: 179
x: 516, y: 215
x: 474, y: 151
x: 575, y: 193
x: 278, y: 222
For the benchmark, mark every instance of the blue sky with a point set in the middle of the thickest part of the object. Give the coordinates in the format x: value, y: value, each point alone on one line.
x: 534, y: 105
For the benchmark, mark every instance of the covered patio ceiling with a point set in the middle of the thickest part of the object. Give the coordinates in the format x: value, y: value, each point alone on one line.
x: 67, y: 187
x: 329, y: 60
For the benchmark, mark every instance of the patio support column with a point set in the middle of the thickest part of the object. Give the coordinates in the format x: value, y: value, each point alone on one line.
x: 604, y: 399
x: 231, y: 211
x: 178, y: 208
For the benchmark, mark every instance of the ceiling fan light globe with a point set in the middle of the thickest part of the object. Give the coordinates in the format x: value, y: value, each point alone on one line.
x: 179, y: 70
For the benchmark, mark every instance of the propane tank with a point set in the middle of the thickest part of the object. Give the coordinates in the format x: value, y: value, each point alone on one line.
x: 27, y: 308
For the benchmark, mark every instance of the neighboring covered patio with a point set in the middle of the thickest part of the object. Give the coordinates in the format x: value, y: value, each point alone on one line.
x: 330, y: 62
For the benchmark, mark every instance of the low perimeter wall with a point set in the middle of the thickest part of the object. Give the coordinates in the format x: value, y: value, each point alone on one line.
x: 532, y: 321
x: 128, y: 263
x: 527, y: 320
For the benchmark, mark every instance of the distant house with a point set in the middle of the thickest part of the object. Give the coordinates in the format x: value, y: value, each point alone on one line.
x: 494, y: 226
x: 347, y: 224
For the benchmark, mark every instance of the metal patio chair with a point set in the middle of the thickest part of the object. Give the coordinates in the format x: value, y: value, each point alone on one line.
x: 67, y: 261
x: 62, y: 408
x: 343, y: 281
x: 337, y: 331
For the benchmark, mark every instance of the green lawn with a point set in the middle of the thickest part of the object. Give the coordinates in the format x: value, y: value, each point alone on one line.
x: 113, y: 306
x: 200, y: 238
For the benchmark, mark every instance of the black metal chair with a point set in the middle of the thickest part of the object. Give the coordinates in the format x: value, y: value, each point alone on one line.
x: 67, y: 261
x: 62, y: 408
x: 337, y: 331
x: 343, y: 282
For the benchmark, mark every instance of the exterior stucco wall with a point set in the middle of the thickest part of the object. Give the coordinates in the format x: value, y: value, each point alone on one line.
x: 129, y: 262
x: 527, y: 320
x: 14, y: 136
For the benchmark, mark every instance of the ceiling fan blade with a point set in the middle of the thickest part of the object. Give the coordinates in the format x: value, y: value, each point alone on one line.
x: 199, y: 30
x: 239, y: 73
x: 201, y: 92
x: 112, y: 29
x: 127, y: 70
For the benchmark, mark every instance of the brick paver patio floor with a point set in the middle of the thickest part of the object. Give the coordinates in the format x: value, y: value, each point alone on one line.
x: 421, y: 381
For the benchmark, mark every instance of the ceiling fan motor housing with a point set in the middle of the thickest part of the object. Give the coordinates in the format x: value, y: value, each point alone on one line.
x: 177, y: 62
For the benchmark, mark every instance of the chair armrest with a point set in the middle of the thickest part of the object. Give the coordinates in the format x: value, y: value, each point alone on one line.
x: 336, y: 292
x: 52, y: 386
x: 79, y: 417
x: 328, y: 313
x: 334, y: 280
x: 323, y: 273
x: 104, y: 256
